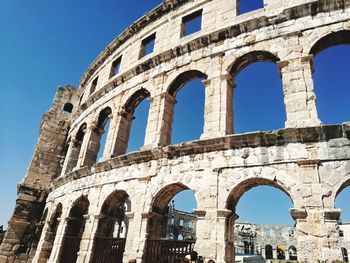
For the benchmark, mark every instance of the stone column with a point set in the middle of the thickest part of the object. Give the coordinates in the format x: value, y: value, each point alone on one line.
x: 225, y: 236
x: 316, y: 224
x: 58, y: 242
x: 299, y: 96
x: 206, y: 233
x: 71, y: 157
x: 132, y: 250
x: 87, y: 239
x: 160, y: 121
x: 44, y: 247
x: 110, y: 140
x: 123, y: 126
x: 90, y: 146
x: 218, y: 116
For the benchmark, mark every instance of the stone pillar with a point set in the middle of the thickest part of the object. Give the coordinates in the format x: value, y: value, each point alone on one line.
x: 87, y: 239
x: 317, y: 234
x: 110, y: 140
x: 160, y: 121
x: 299, y: 96
x: 132, y: 248
x: 316, y: 224
x: 274, y: 252
x: 44, y: 246
x: 123, y: 126
x: 218, y: 116
x: 206, y: 233
x: 58, y: 242
x: 225, y: 248
x: 71, y: 158
x: 90, y: 146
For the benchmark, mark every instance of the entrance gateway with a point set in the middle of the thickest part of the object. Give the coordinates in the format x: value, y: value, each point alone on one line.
x: 69, y: 204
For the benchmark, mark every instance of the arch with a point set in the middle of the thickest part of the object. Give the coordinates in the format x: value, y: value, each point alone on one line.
x: 255, y: 56
x: 112, y: 227
x: 74, y: 231
x: 79, y: 137
x: 329, y: 40
x: 184, y: 78
x: 268, y: 252
x: 73, y: 152
x: 160, y: 228
x: 244, y: 186
x: 164, y: 196
x: 292, y: 251
x: 68, y: 107
x: 50, y: 234
x: 135, y: 99
x: 113, y: 202
x: 345, y: 255
x: 103, y: 117
x: 340, y: 187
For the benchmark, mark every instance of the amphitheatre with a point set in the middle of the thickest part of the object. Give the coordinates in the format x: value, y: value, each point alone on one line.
x: 70, y: 201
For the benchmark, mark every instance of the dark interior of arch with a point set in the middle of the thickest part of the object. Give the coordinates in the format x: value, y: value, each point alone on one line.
x: 247, y: 185
x: 81, y: 132
x: 252, y: 57
x: 165, y: 195
x: 135, y: 100
x: 337, y: 38
x: 79, y: 208
x: 184, y: 78
x: 113, y: 202
x: 103, y: 117
x: 113, y: 211
x: 68, y: 107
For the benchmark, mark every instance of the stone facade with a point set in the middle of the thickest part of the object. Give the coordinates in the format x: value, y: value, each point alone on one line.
x: 306, y: 160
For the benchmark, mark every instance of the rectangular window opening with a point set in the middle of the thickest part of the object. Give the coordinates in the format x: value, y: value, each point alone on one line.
x: 115, y: 66
x: 245, y: 6
x: 191, y: 23
x: 93, y: 85
x: 147, y: 45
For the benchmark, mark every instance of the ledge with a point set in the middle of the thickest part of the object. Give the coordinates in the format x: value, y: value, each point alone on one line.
x: 253, y: 140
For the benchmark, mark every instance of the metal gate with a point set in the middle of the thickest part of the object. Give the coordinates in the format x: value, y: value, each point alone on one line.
x: 108, y: 250
x: 70, y: 249
x: 167, y: 251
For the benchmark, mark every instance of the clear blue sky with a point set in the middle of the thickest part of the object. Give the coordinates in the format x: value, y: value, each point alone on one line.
x: 45, y: 44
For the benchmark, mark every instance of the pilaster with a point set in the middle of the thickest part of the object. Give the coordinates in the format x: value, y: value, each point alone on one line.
x: 298, y: 89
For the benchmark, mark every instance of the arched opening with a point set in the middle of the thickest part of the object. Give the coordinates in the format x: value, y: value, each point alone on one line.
x: 331, y: 63
x: 95, y: 148
x: 268, y: 252
x: 74, y: 152
x: 258, y: 102
x: 132, y: 123
x: 50, y: 234
x: 260, y: 220
x: 292, y: 251
x: 281, y: 252
x: 188, y: 113
x: 74, y: 230
x: 38, y: 233
x: 109, y: 242
x: 342, y: 202
x: 245, y: 6
x: 68, y: 107
x: 172, y: 206
x: 344, y: 253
